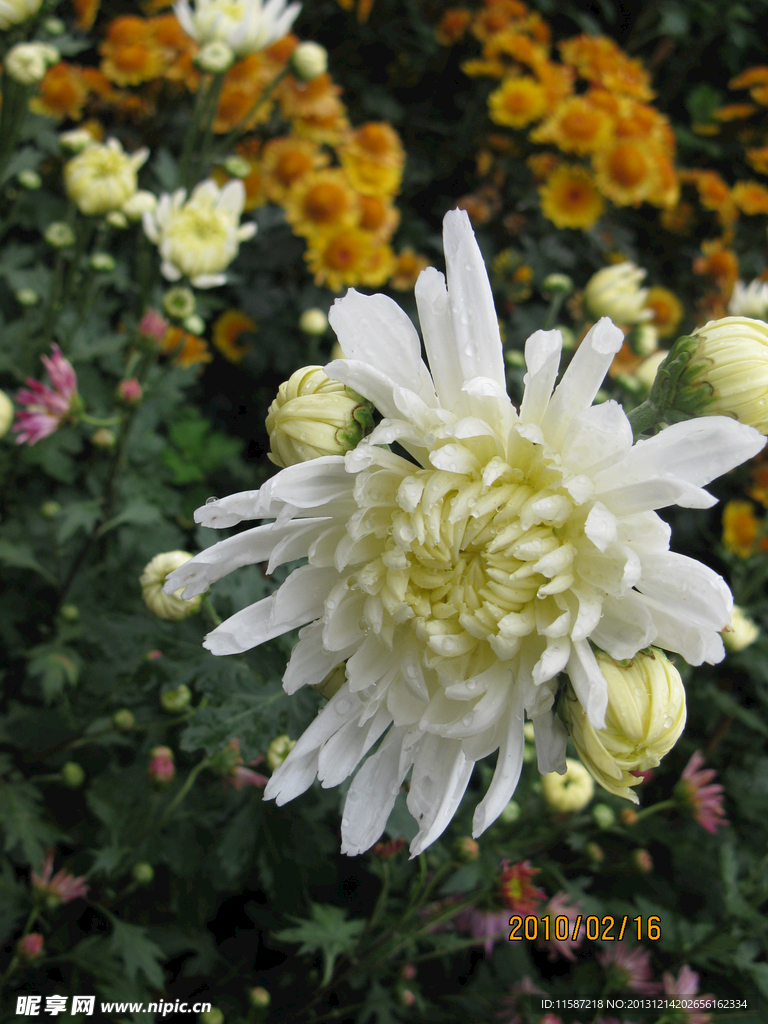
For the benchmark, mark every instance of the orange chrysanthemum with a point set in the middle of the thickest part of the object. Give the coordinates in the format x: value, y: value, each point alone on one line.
x: 63, y: 92
x: 189, y: 349
x: 130, y: 53
x: 407, y: 269
x: 741, y: 529
x: 85, y: 13
x: 734, y: 111
x: 497, y: 16
x: 453, y: 25
x: 625, y: 172
x: 373, y: 158
x: 240, y: 103
x: 575, y: 127
x: 750, y: 77
x: 751, y: 197
x: 227, y: 332
x: 287, y: 160
x: 667, y: 310
x: 378, y: 216
x: 758, y: 159
x: 601, y: 61
x: 542, y: 165
x: 569, y: 198
x: 349, y: 257
x: 314, y: 108
x: 718, y: 263
x: 517, y: 102
x: 321, y: 202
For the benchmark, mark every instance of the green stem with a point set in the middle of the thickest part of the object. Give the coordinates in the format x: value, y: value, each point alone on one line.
x: 96, y: 421
x: 663, y: 805
x: 188, y: 784
x: 211, y: 612
x: 554, y: 309
x: 192, y: 132
x: 643, y: 418
x: 234, y: 136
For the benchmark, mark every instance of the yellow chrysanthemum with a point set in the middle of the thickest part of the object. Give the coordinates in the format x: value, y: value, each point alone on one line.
x: 349, y: 257
x: 750, y: 197
x: 750, y: 77
x: 314, y: 108
x: 625, y: 172
x: 227, y: 331
x: 321, y: 202
x: 734, y: 111
x: 569, y: 198
x: 740, y: 529
x: 378, y: 216
x: 130, y: 53
x: 287, y: 160
x: 373, y: 158
x: 756, y: 158
x: 517, y: 102
x: 667, y: 310
x: 407, y: 269
x: 452, y: 25
x: 576, y: 126
x: 600, y: 60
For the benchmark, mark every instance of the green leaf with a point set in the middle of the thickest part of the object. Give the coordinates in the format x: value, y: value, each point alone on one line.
x: 327, y: 932
x: 56, y: 667
x: 23, y: 825
x: 139, y: 953
x: 21, y: 556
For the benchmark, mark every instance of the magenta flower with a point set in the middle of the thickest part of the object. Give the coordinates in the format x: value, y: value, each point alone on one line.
x: 238, y: 775
x: 629, y: 970
x: 59, y: 888
x: 490, y: 926
x: 161, y: 769
x: 684, y: 986
x: 695, y: 795
x: 153, y: 325
x: 30, y: 947
x: 129, y: 391
x: 44, y: 408
x: 559, y: 906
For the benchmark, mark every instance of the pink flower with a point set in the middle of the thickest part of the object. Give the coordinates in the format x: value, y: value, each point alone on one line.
x: 44, y: 408
x: 238, y: 775
x: 59, y: 888
x: 628, y: 970
x: 559, y: 906
x: 694, y: 796
x: 517, y: 888
x: 129, y: 391
x: 153, y: 325
x: 489, y: 925
x: 161, y: 769
x: 685, y: 986
x: 30, y: 947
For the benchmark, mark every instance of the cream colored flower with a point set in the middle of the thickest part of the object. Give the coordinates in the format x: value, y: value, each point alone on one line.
x: 6, y: 413
x: 569, y: 792
x: 215, y: 57
x: 743, y: 632
x: 166, y: 606
x: 643, y: 720
x: 199, y: 237
x: 749, y: 300
x: 313, y: 322
x: 309, y: 60
x: 615, y: 292
x: 278, y: 750
x: 103, y: 177
x: 733, y: 354
x: 76, y: 140
x: 26, y: 63
x: 14, y: 12
x: 140, y: 202
x: 246, y: 26
x: 314, y: 416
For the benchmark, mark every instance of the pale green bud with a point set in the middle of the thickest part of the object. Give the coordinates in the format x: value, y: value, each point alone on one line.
x: 50, y: 509
x: 615, y: 292
x: 179, y: 302
x: 30, y: 180
x: 54, y: 26
x: 314, y: 416
x: 140, y: 202
x: 76, y: 140
x: 176, y: 700
x: 69, y: 612
x: 117, y: 219
x: 644, y: 339
x: 59, y: 235
x: 124, y: 720
x: 278, y: 750
x: 309, y: 60
x: 605, y: 816
x: 314, y: 322
x: 743, y: 631
x: 215, y: 57
x: 170, y: 607
x: 143, y: 873
x: 259, y: 997
x: 557, y: 284
x: 104, y: 438
x: 103, y: 262
x: 6, y: 413
x: 72, y: 775
x: 237, y: 166
x: 569, y: 792
x: 511, y: 813
x: 194, y: 324
x: 643, y: 720
x: 27, y: 297
x: 212, y: 1016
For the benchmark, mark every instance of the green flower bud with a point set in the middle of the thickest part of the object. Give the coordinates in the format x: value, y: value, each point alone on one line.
x: 309, y: 60
x: 259, y: 997
x: 59, y: 235
x: 117, y: 219
x: 595, y: 853
x: 743, y: 631
x: 176, y: 700
x: 103, y: 262
x: 27, y: 297
x: 143, y: 873
x: 104, y: 438
x: 69, y: 612
x: 194, y: 324
x: 6, y: 413
x: 237, y: 166
x: 179, y: 302
x: 29, y: 180
x: 50, y: 509
x: 605, y: 816
x: 557, y: 284
x: 278, y: 750
x: 314, y: 322
x: 212, y: 1016
x: 54, y: 26
x: 124, y: 720
x: 215, y: 57
x: 570, y: 792
x: 314, y: 416
x: 72, y: 775
x: 511, y: 813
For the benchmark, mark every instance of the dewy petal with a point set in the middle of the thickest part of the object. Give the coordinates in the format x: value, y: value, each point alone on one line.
x: 588, y: 683
x: 507, y: 774
x: 542, y: 357
x: 688, y: 587
x: 437, y: 330
x: 310, y: 663
x: 373, y: 792
x: 440, y: 776
x: 551, y: 739
x: 473, y: 315
x: 625, y: 628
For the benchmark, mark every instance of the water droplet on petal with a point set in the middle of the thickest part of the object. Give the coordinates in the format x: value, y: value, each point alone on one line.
x: 343, y: 707
x: 468, y: 719
x: 667, y: 722
x: 211, y: 501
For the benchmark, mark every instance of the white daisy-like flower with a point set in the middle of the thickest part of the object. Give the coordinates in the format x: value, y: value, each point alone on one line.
x: 14, y: 12
x: 749, y: 299
x: 246, y: 26
x: 456, y: 583
x: 200, y: 236
x: 103, y: 177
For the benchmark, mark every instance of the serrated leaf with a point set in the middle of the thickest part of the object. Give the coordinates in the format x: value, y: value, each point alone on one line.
x: 22, y: 823
x: 327, y: 931
x: 139, y: 954
x: 21, y: 556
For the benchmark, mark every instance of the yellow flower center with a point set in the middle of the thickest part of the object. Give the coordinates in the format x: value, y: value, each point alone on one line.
x: 197, y: 225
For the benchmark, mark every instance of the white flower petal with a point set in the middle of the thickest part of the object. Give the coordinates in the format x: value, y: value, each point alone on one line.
x: 437, y: 330
x: 588, y: 683
x: 625, y: 628
x: 551, y: 739
x: 542, y: 357
x: 343, y: 751
x: 440, y: 776
x: 507, y: 773
x: 310, y: 663
x: 372, y: 794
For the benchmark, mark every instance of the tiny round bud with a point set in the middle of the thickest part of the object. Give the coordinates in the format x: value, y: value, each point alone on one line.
x: 628, y: 816
x: 104, y: 262
x: 212, y: 1016
x: 215, y: 57
x: 54, y: 26
x: 742, y: 633
x: 117, y: 219
x: 143, y: 873
x: 605, y: 816
x: 194, y: 324
x: 595, y: 853
x: 170, y: 607
x: 154, y: 655
x: 6, y: 413
x: 72, y: 775
x: 570, y: 792
x: 314, y: 322
x: 259, y: 997
x: 615, y: 292
x: 408, y: 972
x: 30, y: 947
x: 129, y: 391
x: 278, y: 750
x: 153, y: 326
x: 237, y: 166
x: 466, y: 849
x: 557, y: 284
x: 161, y: 769
x: 511, y: 813
x: 309, y: 60
x: 124, y: 720
x: 30, y: 180
x: 644, y: 339
x: 27, y: 297
x: 59, y: 235
x: 76, y: 140
x: 141, y: 202
x: 642, y: 862
x: 69, y: 612
x: 179, y: 303
x: 405, y: 997
x: 50, y: 509
x: 176, y: 700
x: 104, y: 438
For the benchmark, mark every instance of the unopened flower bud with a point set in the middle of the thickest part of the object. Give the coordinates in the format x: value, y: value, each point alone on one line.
x: 50, y: 509
x: 278, y: 750
x: 76, y: 140
x: 642, y: 862
x: 54, y: 26
x: 237, y: 166
x: 604, y: 816
x: 569, y: 792
x: 314, y: 416
x: 742, y: 633
x: 615, y: 292
x: 153, y: 326
x: 116, y: 219
x: 129, y: 391
x: 170, y: 607
x: 215, y: 57
x: 179, y: 302
x: 644, y: 339
x: 643, y: 720
x: 628, y: 817
x: 143, y: 873
x: 140, y: 202
x: 124, y: 720
x: 259, y: 997
x: 194, y: 324
x: 595, y: 853
x: 161, y: 769
x: 26, y: 63
x: 59, y: 235
x: 30, y: 947
x: 314, y: 322
x: 30, y: 180
x: 104, y: 438
x: 69, y: 612
x: 176, y: 700
x: 333, y: 682
x: 153, y: 655
x: 309, y: 60
x: 6, y: 413
x: 511, y: 813
x: 406, y: 998
x: 212, y: 1016
x: 466, y: 849
x: 104, y: 262
x: 557, y: 284
x: 408, y: 972
x: 72, y: 775
x: 27, y: 297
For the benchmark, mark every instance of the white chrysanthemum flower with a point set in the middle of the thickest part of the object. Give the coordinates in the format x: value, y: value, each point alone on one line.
x: 749, y: 300
x: 14, y: 12
x: 458, y: 582
x: 615, y: 292
x: 103, y: 177
x: 200, y: 236
x: 246, y: 26
x: 27, y: 63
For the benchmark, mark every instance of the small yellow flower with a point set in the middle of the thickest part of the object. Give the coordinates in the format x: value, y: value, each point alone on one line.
x: 373, y: 158
x: 103, y: 177
x: 517, y: 102
x: 575, y: 126
x: 320, y: 202
x: 667, y: 310
x: 227, y: 331
x: 740, y: 529
x: 625, y: 171
x: 166, y: 606
x: 569, y: 198
x: 569, y: 792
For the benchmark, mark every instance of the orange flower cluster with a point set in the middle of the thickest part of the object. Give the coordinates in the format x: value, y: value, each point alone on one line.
x: 592, y: 104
